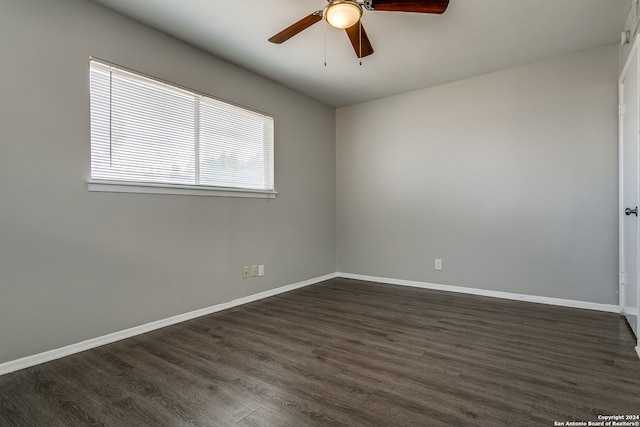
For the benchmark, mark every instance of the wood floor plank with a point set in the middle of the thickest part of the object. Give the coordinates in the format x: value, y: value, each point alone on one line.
x: 345, y: 353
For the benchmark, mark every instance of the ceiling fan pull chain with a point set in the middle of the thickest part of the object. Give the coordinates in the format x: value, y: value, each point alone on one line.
x: 325, y: 43
x: 360, y: 43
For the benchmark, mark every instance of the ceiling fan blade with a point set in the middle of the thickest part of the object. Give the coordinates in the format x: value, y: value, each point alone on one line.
x: 418, y: 6
x: 355, y: 36
x: 299, y: 26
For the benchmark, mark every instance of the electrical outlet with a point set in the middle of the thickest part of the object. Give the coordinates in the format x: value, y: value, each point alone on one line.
x: 261, y: 270
x: 245, y: 272
x: 438, y: 264
x: 254, y: 270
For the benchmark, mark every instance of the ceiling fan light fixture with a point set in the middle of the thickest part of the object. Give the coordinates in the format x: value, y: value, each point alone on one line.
x: 343, y: 14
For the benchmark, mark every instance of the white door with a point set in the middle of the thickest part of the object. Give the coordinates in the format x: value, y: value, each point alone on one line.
x: 629, y: 159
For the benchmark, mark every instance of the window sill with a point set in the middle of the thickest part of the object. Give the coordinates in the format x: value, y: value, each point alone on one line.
x: 184, y: 190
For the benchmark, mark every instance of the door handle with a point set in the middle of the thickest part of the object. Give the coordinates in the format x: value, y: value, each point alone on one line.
x: 630, y: 211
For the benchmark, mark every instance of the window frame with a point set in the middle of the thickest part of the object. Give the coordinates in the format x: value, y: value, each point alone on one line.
x: 130, y: 186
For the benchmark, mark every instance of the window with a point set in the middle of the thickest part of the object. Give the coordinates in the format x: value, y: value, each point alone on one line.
x: 153, y: 135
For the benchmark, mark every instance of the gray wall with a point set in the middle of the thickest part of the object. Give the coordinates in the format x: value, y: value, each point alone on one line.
x: 510, y: 178
x: 76, y: 265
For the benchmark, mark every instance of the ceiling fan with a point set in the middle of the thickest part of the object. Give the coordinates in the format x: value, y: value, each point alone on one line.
x: 346, y: 14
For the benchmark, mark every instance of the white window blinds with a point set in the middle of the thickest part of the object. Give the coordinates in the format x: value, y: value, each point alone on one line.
x: 147, y: 131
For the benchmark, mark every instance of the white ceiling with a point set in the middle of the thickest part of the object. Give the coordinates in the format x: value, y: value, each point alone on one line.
x: 412, y: 51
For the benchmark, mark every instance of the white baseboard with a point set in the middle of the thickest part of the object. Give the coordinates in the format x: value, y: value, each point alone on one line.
x: 487, y: 293
x: 58, y: 353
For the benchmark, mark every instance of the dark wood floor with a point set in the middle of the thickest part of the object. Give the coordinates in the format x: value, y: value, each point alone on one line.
x: 345, y: 353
